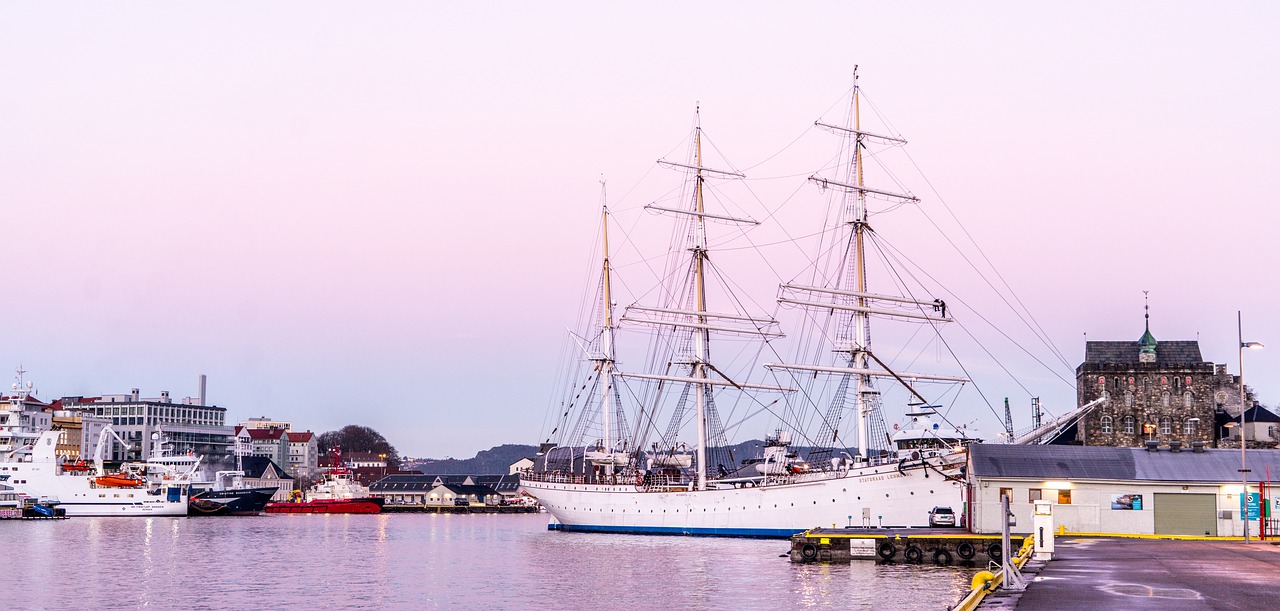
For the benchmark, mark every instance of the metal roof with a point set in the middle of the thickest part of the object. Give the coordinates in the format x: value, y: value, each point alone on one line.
x: 1179, y: 352
x: 419, y: 481
x: 1126, y: 464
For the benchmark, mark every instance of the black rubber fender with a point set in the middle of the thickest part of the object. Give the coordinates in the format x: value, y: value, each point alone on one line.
x: 886, y: 550
x: 941, y: 557
x: 913, y: 554
x: 995, y: 551
x: 966, y: 551
x: 809, y: 552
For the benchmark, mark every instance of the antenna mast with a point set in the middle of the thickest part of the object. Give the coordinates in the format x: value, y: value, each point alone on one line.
x: 1008, y: 419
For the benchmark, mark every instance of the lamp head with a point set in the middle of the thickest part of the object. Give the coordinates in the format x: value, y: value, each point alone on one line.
x: 1251, y: 345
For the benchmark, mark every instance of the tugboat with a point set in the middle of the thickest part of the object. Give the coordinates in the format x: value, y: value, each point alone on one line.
x: 338, y: 493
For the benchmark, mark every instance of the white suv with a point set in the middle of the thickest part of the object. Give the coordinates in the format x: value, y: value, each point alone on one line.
x: 942, y: 516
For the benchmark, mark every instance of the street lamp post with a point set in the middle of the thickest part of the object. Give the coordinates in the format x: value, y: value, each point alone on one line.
x: 1244, y: 470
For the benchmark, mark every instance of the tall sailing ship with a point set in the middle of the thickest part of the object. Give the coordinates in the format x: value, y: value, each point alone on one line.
x: 608, y: 468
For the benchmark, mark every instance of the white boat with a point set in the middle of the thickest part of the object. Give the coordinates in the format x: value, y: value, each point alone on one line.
x: 42, y: 476
x: 22, y: 419
x: 338, y: 492
x: 598, y: 473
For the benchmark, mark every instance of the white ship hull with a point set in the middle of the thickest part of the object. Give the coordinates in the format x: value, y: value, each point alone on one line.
x: 80, y: 496
x: 872, y: 496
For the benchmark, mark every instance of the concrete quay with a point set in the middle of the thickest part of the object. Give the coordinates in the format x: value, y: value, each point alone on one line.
x: 1133, y: 573
x: 403, y: 508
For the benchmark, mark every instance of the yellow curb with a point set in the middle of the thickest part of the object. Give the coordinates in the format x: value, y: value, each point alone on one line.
x: 1152, y: 537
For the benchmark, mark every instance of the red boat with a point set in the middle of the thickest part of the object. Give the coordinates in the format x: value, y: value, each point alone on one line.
x: 117, y: 481
x: 78, y: 466
x: 338, y: 493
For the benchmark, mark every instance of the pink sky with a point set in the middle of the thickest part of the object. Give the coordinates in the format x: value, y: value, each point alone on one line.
x: 379, y: 213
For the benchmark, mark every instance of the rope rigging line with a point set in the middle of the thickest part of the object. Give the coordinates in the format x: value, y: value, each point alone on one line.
x: 899, y: 255
x: 1036, y: 328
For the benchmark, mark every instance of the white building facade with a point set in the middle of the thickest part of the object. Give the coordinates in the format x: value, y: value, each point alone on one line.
x: 188, y: 424
x: 1189, y: 492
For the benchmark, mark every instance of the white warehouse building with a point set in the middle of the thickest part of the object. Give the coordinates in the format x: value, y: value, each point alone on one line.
x: 1167, y: 491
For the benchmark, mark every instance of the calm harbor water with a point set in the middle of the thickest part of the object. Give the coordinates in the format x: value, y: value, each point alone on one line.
x: 428, y: 561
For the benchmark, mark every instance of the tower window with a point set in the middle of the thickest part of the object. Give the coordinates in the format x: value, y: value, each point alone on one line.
x: 1128, y: 425
x: 1106, y: 424
x: 1166, y: 426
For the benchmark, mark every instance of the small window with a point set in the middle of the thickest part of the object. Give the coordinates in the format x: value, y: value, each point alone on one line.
x: 1064, y: 497
x: 1007, y: 492
x: 1189, y: 427
x: 1188, y: 399
x: 1165, y: 398
x: 1128, y: 424
x: 1106, y: 425
x: 1128, y: 399
x: 1166, y: 426
x: 1034, y: 494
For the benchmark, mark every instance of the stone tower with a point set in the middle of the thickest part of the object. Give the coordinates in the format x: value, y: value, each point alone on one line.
x: 1157, y: 390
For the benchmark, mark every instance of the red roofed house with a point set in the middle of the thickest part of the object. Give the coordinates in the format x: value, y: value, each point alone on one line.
x: 303, y: 453
x: 269, y: 443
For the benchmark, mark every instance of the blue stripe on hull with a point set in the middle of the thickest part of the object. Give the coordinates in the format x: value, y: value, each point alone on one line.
x: 770, y: 533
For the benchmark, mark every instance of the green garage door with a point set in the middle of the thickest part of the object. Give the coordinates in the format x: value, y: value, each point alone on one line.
x: 1186, y: 514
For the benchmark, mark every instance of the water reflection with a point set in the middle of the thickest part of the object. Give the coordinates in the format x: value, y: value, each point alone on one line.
x: 431, y: 561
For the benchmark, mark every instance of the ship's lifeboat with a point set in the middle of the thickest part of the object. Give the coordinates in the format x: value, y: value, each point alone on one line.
x: 78, y: 466
x: 117, y: 481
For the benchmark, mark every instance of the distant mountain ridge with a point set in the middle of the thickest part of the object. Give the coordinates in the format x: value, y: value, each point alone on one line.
x: 494, y: 461
x: 497, y: 460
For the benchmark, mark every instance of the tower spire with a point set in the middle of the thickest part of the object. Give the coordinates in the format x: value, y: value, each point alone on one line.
x: 1146, y: 307
x: 1147, y: 344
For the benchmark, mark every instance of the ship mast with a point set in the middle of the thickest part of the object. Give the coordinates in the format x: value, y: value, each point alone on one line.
x: 695, y: 317
x: 702, y: 336
x: 862, y: 327
x: 852, y: 295
x: 606, y: 362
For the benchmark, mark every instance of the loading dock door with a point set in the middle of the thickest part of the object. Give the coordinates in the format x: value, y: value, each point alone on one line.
x: 1186, y: 514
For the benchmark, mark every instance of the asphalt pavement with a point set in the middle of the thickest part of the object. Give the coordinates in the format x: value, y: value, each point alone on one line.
x: 1099, y: 574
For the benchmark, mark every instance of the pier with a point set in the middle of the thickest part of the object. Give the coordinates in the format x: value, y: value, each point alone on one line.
x: 938, y: 546
x: 1141, y: 573
x: 33, y: 511
x: 398, y: 508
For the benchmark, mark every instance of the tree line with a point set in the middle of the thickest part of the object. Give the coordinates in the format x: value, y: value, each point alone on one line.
x: 356, y: 438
